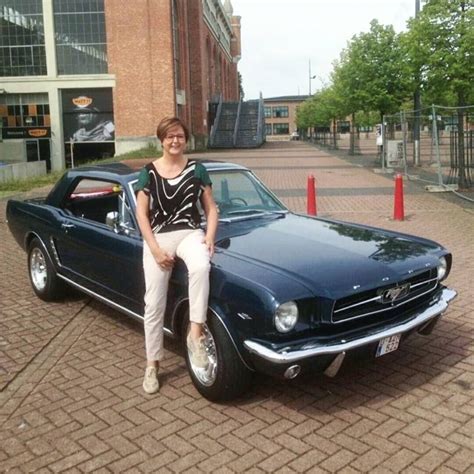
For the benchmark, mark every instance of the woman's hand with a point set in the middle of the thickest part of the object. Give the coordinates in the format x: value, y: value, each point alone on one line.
x: 164, y: 260
x: 209, y: 243
x: 210, y: 209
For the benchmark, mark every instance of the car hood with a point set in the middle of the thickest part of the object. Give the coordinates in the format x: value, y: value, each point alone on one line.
x: 330, y: 258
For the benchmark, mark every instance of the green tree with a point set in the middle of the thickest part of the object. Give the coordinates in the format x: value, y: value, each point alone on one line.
x: 241, y: 87
x: 304, y: 114
x: 366, y: 119
x: 371, y: 75
x: 321, y: 110
x: 440, y: 46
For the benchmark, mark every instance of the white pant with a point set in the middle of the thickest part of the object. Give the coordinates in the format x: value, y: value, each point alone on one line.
x: 188, y: 245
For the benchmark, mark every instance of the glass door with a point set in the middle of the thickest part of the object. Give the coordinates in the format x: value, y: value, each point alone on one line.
x: 32, y: 150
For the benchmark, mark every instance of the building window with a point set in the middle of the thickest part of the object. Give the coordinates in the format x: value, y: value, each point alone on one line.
x: 343, y: 126
x: 24, y: 110
x: 81, y: 44
x: 268, y: 112
x: 281, y: 129
x: 268, y: 129
x: 280, y: 111
x: 22, y: 47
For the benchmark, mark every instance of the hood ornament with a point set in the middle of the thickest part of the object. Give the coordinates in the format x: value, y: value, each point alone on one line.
x: 395, y: 293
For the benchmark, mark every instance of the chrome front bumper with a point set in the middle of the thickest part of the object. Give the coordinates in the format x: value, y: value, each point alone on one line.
x: 438, y: 305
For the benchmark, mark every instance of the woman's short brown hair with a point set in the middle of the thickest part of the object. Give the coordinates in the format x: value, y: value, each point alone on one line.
x: 170, y: 122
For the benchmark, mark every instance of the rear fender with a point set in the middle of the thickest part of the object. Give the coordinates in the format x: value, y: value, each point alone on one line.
x: 29, y: 237
x: 49, y: 253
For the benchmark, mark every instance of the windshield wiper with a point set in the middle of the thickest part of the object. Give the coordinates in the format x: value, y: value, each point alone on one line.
x: 246, y: 211
x: 244, y: 214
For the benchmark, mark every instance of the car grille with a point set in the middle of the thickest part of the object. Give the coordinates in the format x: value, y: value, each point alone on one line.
x: 385, y: 298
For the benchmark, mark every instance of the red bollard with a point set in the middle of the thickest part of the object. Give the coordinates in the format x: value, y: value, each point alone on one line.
x: 311, y: 196
x: 398, y: 209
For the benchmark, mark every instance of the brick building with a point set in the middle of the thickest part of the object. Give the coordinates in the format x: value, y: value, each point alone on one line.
x: 92, y: 78
x: 280, y: 116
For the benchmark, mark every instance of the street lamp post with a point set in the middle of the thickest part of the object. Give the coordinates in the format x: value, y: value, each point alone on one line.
x: 417, y: 106
x: 310, y: 77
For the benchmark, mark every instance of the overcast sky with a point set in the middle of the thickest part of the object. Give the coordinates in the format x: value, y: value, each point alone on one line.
x: 280, y: 37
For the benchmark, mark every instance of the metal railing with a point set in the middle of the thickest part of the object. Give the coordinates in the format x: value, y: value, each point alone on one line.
x: 237, y: 122
x: 214, y: 126
x: 260, y: 121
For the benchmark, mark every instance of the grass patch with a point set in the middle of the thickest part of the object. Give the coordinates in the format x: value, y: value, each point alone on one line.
x: 19, y: 186
x: 149, y: 151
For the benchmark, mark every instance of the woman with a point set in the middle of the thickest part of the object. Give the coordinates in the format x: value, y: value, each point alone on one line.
x: 168, y: 216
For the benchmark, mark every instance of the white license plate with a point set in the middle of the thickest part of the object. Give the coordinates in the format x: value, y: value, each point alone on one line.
x: 388, y: 344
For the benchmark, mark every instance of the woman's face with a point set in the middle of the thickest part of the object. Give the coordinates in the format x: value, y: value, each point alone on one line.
x: 174, y: 143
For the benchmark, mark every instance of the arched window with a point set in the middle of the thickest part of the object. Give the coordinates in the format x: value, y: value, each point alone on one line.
x: 223, y: 77
x: 209, y: 67
x: 217, y: 65
x: 227, y: 81
x: 177, y: 53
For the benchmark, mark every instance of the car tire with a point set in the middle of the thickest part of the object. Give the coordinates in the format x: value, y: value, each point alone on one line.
x: 44, y: 280
x: 226, y: 376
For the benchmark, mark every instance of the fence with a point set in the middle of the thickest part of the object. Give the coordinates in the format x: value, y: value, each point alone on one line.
x: 443, y: 150
x: 359, y: 141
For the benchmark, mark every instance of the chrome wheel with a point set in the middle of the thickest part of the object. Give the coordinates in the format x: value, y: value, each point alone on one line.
x: 38, y: 269
x: 43, y: 277
x: 206, y: 376
x: 226, y: 375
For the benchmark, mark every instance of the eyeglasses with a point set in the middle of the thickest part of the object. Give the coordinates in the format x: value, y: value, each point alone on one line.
x: 179, y: 137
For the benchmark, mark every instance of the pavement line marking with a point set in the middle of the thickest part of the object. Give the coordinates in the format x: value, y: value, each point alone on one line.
x: 26, y: 380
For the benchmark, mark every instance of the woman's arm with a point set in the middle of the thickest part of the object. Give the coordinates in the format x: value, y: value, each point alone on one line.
x: 161, y: 257
x: 210, y: 210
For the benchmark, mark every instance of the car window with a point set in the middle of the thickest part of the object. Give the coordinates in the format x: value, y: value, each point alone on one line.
x: 100, y: 201
x: 240, y: 190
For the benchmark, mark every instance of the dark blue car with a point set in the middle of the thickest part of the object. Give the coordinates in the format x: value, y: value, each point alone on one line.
x: 289, y: 292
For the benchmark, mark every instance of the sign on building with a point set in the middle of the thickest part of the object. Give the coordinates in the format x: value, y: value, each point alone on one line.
x: 88, y: 115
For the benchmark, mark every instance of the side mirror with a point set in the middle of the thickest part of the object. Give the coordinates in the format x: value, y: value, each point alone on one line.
x: 112, y: 220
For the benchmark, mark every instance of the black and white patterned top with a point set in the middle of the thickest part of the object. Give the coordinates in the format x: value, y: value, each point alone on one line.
x: 174, y: 201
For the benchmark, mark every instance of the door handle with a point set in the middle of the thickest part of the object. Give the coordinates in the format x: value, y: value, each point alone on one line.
x: 67, y: 226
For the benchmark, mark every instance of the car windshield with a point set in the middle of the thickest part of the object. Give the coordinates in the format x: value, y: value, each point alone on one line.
x: 240, y: 194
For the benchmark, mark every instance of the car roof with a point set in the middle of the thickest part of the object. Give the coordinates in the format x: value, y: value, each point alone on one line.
x: 128, y: 167
x: 123, y: 171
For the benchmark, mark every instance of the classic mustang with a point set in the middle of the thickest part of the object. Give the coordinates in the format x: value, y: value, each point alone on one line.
x: 289, y: 292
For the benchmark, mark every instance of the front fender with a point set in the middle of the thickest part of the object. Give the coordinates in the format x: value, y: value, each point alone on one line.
x: 229, y: 325
x: 217, y: 310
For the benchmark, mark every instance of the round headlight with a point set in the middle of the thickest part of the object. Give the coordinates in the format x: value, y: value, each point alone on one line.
x: 442, y: 268
x: 286, y: 316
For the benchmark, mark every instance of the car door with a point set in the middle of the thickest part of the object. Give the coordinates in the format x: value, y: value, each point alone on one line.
x: 99, y: 246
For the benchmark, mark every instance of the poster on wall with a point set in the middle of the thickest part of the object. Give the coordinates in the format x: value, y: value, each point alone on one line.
x: 88, y: 115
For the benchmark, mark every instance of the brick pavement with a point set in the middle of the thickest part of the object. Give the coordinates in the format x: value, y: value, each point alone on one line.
x: 70, y: 372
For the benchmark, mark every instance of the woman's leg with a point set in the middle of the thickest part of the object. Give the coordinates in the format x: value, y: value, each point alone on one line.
x: 196, y: 257
x: 156, y: 284
x: 156, y: 287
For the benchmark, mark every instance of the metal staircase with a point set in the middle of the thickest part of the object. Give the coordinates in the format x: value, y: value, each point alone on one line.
x: 238, y: 125
x: 246, y: 136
